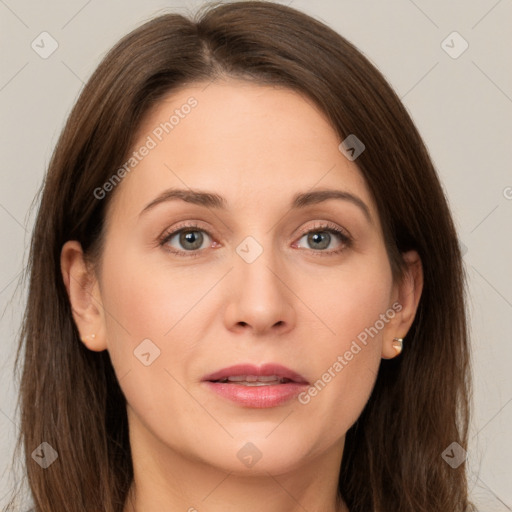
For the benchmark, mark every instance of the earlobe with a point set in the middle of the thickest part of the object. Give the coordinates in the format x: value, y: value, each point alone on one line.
x: 83, y: 294
x: 408, y: 293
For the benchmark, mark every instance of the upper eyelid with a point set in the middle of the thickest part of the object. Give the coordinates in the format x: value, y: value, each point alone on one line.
x: 327, y: 225
x: 199, y: 226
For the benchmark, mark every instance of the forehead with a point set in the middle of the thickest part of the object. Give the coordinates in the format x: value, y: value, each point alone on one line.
x: 253, y: 144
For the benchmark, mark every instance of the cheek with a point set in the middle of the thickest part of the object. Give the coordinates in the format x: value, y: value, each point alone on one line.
x: 350, y: 298
x: 347, y: 354
x: 151, y: 318
x: 143, y: 314
x: 143, y: 303
x: 137, y: 307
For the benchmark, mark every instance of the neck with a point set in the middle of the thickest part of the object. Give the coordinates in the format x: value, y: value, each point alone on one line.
x: 168, y: 479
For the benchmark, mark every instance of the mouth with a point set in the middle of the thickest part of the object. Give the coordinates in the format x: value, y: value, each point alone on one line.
x: 250, y: 375
x: 247, y: 385
x: 254, y: 380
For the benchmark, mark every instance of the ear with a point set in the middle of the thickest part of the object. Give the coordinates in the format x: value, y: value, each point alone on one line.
x: 84, y: 296
x: 407, y: 295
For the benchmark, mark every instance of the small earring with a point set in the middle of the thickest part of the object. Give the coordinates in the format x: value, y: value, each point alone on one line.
x: 397, y: 345
x: 92, y: 336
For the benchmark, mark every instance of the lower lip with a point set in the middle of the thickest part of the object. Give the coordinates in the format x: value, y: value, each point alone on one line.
x: 258, y: 397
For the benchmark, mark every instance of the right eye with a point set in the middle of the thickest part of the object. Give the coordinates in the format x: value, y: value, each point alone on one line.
x: 190, y: 237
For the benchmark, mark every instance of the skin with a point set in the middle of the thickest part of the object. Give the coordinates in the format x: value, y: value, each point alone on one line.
x: 256, y: 146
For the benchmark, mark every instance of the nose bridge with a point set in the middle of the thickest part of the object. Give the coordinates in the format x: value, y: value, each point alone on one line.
x: 255, y: 266
x: 259, y: 295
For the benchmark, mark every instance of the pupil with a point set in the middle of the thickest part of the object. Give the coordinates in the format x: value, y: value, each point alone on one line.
x: 317, y: 238
x: 191, y: 237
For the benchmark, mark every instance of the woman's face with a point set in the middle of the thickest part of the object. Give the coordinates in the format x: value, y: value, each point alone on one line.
x: 259, y: 278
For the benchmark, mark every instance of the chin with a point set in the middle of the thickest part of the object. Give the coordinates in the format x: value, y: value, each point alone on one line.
x: 258, y: 455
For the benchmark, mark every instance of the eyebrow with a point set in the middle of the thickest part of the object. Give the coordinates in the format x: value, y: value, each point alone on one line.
x: 300, y: 200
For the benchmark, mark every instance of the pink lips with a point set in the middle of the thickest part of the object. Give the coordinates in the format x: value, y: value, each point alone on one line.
x: 270, y: 395
x: 264, y: 371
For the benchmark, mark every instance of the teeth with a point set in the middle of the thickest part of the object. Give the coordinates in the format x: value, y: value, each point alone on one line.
x: 252, y: 384
x: 254, y: 380
x: 262, y: 378
x: 241, y: 378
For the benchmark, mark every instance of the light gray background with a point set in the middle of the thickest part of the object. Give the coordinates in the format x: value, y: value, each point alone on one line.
x: 462, y: 107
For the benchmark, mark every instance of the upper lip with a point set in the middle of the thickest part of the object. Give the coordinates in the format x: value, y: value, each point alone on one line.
x: 263, y: 370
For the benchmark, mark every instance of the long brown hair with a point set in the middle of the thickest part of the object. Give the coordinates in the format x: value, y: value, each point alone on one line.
x: 70, y: 397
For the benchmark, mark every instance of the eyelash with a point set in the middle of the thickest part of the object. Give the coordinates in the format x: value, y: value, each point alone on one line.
x: 323, y: 228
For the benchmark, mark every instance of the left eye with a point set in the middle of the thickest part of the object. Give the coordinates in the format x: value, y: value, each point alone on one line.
x: 319, y: 239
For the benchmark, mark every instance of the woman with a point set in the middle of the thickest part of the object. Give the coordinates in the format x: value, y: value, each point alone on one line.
x: 246, y: 289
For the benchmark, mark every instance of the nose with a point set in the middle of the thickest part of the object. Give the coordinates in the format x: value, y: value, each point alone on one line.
x: 259, y: 298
